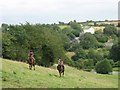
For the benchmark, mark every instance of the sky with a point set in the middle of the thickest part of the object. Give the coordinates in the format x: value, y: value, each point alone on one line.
x: 53, y: 11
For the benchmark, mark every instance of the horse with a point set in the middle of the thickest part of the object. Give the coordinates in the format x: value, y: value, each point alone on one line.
x: 31, y: 62
x: 61, y: 68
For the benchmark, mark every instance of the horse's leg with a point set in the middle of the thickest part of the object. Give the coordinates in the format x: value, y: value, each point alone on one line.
x: 30, y: 67
x: 59, y: 73
x: 34, y: 66
x: 63, y: 72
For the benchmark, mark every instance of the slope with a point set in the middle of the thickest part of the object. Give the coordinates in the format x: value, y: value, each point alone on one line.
x: 17, y: 75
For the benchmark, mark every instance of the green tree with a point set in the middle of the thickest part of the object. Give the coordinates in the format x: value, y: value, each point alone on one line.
x: 47, y: 56
x: 101, y: 38
x: 115, y: 52
x: 75, y: 25
x: 88, y: 41
x: 96, y: 56
x: 88, y: 64
x: 103, y: 67
x: 110, y: 30
x: 80, y: 53
x: 19, y: 39
x: 76, y: 33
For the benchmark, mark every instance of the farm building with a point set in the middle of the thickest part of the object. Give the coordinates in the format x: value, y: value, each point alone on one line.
x: 89, y: 30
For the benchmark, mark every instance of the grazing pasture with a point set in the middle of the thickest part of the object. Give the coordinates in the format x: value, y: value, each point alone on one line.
x: 17, y: 75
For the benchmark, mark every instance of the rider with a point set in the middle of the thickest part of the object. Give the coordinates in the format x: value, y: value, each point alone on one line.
x: 60, y: 62
x: 30, y: 55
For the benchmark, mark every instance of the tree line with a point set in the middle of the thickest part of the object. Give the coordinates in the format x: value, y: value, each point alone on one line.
x: 49, y: 43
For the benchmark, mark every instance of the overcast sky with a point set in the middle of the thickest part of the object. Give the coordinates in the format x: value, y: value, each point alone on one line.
x: 53, y: 11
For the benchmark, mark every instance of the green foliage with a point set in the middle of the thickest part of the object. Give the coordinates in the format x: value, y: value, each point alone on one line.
x: 101, y: 38
x: 103, y: 67
x: 111, y: 62
x: 4, y: 27
x: 19, y: 39
x: 110, y: 30
x: 80, y: 53
x: 75, y: 25
x: 88, y: 41
x: 71, y: 36
x: 96, y: 56
x: 100, y: 45
x: 115, y: 52
x: 88, y: 63
x: 76, y: 33
x: 80, y: 64
x: 117, y: 64
x: 99, y: 32
x: 47, y: 56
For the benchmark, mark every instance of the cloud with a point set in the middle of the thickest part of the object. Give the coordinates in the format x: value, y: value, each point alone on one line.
x: 14, y: 11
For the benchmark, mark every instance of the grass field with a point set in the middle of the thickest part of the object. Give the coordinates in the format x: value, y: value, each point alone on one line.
x: 70, y: 54
x: 63, y: 26
x: 17, y: 75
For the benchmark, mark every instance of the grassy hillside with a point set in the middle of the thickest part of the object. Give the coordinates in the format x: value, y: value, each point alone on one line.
x: 17, y: 75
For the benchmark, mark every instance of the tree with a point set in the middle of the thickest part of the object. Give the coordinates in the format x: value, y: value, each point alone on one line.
x: 80, y: 53
x: 4, y: 27
x: 47, y: 56
x: 75, y: 26
x: 95, y: 23
x: 88, y: 41
x: 43, y: 39
x: 101, y: 38
x: 61, y: 23
x: 103, y: 67
x: 115, y: 52
x: 110, y: 30
x: 96, y: 56
x: 76, y: 33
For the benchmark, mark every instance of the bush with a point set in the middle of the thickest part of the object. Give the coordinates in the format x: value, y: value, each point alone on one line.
x: 103, y: 67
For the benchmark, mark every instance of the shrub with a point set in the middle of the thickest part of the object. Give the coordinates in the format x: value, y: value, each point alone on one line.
x: 103, y: 67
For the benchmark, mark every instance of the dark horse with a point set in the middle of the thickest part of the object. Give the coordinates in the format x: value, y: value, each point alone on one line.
x: 31, y: 62
x: 60, y: 68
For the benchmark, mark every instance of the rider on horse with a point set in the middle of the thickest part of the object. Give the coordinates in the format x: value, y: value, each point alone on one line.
x: 31, y: 56
x: 60, y: 62
x: 31, y: 60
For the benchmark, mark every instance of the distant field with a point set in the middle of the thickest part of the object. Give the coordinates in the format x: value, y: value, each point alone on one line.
x: 17, y: 75
x: 63, y: 26
x: 98, y: 28
x: 70, y: 54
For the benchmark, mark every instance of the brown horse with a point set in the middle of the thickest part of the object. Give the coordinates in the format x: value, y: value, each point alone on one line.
x: 60, y: 68
x: 31, y: 62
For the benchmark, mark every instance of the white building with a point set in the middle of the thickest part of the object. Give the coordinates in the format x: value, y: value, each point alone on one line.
x: 89, y: 30
x: 76, y: 39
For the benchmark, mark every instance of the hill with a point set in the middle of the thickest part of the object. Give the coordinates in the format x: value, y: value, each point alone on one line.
x: 17, y: 75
